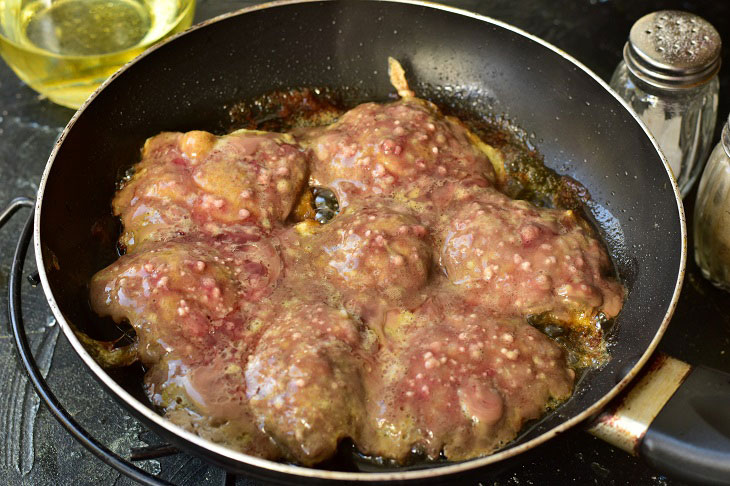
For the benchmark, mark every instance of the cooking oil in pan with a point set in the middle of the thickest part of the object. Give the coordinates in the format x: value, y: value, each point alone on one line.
x: 65, y: 48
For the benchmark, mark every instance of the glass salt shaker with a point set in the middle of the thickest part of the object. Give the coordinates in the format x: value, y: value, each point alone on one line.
x: 669, y: 77
x: 712, y: 215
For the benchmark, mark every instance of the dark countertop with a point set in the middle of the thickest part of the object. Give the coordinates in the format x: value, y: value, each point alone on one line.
x: 35, y: 450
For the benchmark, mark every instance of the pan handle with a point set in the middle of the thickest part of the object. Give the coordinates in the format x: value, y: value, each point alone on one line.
x: 675, y: 416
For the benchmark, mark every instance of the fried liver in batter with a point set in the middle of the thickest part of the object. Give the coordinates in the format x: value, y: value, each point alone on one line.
x: 401, y: 324
x: 455, y: 379
x: 303, y: 380
x: 376, y: 246
x: 222, y: 186
x: 377, y: 149
x: 522, y: 260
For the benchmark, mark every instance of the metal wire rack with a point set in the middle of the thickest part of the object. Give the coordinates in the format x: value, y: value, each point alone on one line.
x: 125, y: 466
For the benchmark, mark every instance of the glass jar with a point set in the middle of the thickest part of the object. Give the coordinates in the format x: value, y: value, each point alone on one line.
x: 712, y: 216
x: 669, y: 77
x: 65, y: 49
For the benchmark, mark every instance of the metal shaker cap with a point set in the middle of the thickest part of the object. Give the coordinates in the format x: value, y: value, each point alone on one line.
x: 673, y: 49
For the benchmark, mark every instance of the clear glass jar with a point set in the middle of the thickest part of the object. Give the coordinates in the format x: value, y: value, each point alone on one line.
x: 682, y: 121
x: 669, y: 77
x: 712, y: 216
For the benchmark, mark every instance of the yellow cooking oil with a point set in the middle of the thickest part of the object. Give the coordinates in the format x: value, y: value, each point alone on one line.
x: 65, y: 48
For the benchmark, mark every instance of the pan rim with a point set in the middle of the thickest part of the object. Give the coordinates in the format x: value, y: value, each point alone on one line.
x: 311, y: 473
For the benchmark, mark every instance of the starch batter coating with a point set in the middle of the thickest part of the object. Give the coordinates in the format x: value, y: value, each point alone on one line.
x: 303, y: 380
x: 379, y: 246
x: 402, y: 324
x: 380, y: 149
x: 198, y: 183
x: 513, y: 256
x: 453, y: 379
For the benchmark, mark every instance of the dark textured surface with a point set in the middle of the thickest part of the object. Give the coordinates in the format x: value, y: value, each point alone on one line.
x: 35, y: 450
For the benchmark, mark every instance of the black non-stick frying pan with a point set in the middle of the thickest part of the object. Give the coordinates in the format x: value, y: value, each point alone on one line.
x: 585, y: 131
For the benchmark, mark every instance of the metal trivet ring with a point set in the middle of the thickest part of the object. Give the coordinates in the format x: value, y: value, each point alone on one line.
x: 15, y: 314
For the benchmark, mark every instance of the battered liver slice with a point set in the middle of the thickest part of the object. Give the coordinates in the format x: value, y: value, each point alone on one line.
x: 402, y: 324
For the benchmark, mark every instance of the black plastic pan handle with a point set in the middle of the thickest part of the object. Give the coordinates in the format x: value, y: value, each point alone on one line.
x: 677, y: 418
x: 690, y: 438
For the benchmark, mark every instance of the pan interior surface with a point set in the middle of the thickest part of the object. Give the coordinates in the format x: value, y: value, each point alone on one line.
x: 191, y: 82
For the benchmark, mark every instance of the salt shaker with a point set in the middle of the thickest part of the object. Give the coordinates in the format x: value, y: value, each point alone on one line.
x: 669, y: 77
x: 712, y: 215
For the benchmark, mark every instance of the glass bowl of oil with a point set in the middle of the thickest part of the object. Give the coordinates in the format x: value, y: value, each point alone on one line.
x: 65, y: 49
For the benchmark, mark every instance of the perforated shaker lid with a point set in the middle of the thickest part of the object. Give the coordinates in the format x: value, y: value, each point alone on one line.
x: 673, y: 49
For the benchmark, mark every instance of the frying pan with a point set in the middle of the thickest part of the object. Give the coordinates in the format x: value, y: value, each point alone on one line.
x: 586, y: 132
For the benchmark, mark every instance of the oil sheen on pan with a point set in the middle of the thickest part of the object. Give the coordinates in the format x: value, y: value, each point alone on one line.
x: 366, y: 279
